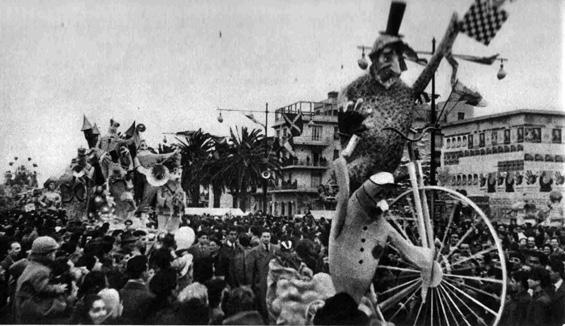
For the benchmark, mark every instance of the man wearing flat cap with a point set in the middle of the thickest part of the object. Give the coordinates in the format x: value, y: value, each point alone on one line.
x: 37, y: 299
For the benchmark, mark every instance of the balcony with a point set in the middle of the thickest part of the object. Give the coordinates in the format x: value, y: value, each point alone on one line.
x: 291, y: 187
x: 312, y: 141
x: 321, y: 164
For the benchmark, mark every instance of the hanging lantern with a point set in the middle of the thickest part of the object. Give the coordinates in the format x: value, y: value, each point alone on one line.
x: 501, y: 73
x: 363, y: 64
x: 220, y: 118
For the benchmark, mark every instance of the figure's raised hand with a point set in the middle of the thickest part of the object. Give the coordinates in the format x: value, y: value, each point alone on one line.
x: 350, y: 120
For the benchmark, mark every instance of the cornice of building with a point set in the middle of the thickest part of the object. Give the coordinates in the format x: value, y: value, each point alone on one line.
x: 506, y: 115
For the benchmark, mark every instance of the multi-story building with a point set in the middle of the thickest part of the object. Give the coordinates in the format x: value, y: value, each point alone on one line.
x: 307, y: 182
x: 512, y: 157
x: 305, y: 178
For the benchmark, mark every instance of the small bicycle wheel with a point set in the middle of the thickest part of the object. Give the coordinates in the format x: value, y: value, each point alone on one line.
x: 467, y: 283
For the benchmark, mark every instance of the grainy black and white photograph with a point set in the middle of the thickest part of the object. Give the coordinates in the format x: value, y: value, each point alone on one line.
x: 337, y: 162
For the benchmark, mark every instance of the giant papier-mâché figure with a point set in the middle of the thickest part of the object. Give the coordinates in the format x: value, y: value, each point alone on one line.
x: 379, y: 99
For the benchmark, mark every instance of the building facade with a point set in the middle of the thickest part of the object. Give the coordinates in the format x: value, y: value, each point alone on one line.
x: 305, y: 182
x: 511, y: 158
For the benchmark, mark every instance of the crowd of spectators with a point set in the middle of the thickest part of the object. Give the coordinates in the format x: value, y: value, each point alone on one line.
x: 56, y: 270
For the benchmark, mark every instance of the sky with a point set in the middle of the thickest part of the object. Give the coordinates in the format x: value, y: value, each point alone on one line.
x: 170, y: 64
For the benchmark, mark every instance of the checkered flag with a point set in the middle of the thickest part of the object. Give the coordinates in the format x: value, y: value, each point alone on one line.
x: 483, y: 21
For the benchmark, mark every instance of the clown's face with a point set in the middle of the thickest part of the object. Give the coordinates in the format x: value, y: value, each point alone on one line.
x: 387, y: 67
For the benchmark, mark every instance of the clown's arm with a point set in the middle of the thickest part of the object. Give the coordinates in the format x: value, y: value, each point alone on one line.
x: 420, y: 256
x: 443, y: 49
x: 342, y: 176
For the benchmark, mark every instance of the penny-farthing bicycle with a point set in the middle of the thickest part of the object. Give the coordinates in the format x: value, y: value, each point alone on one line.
x: 467, y: 281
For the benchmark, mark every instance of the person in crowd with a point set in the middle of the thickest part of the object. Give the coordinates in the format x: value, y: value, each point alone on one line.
x: 163, y: 285
x: 92, y: 283
x: 226, y: 254
x: 14, y: 254
x: 216, y: 288
x: 557, y: 310
x: 240, y: 268
x: 194, y: 291
x: 539, y: 309
x: 260, y: 257
x: 91, y: 311
x: 113, y: 305
x: 240, y: 308
x: 516, y: 308
x: 135, y: 295
x: 35, y: 297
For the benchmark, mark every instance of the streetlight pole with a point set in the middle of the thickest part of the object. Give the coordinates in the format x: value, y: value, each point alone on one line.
x: 266, y: 142
x: 433, y: 120
x: 266, y: 159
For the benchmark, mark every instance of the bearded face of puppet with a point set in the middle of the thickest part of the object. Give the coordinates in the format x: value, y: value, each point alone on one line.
x: 387, y: 66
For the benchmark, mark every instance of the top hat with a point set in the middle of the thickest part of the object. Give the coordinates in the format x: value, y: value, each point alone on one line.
x: 391, y: 36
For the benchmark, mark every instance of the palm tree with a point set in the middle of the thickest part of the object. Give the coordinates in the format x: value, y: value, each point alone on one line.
x: 196, y: 150
x: 241, y: 166
x: 217, y: 180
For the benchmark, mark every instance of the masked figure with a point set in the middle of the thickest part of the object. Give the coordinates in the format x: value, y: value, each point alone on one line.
x: 375, y: 101
x: 384, y: 100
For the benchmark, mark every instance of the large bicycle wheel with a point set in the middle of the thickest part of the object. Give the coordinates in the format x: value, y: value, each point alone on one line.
x: 467, y: 283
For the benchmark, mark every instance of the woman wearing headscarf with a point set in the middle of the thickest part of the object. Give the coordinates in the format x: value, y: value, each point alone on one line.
x: 114, y: 308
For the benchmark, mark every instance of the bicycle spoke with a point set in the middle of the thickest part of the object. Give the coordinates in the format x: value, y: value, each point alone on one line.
x: 454, y: 304
x: 474, y: 278
x: 468, y: 233
x: 403, y: 305
x: 396, y: 297
x: 400, y: 269
x: 413, y: 211
x: 480, y: 319
x: 470, y: 287
x: 398, y: 286
x: 480, y: 253
x: 400, y: 229
x: 445, y: 232
x: 418, y: 314
x: 401, y: 255
x: 472, y: 299
x: 441, y: 299
x: 431, y: 306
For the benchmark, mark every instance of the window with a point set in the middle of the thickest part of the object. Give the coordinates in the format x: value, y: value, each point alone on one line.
x: 316, y: 180
x: 507, y: 136
x: 317, y: 133
x: 470, y: 141
x: 460, y: 115
x: 278, y: 134
x: 494, y: 137
x: 520, y: 134
x: 336, y: 133
x: 556, y: 136
x: 482, y: 139
x: 336, y: 154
